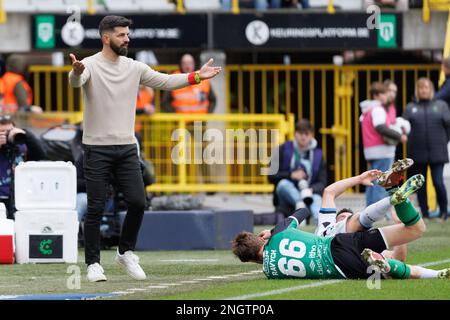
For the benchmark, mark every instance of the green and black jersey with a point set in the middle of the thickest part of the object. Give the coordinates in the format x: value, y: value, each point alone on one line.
x: 292, y: 253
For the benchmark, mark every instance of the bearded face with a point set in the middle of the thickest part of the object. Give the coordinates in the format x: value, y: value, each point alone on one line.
x: 120, y: 48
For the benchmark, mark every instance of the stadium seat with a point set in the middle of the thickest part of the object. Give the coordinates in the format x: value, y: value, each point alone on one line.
x: 202, y: 5
x: 121, y: 6
x: 18, y: 6
x: 155, y: 5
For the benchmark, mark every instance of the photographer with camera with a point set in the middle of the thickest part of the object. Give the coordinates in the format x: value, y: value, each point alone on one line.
x: 302, y: 173
x: 16, y: 145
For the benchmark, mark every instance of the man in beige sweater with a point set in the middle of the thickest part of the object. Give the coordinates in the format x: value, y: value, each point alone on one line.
x: 110, y: 83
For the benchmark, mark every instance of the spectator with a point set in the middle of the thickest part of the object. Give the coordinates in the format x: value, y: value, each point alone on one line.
x: 16, y: 145
x: 197, y: 98
x: 427, y: 145
x: 401, y: 5
x: 302, y: 173
x: 444, y: 91
x: 378, y: 114
x: 144, y: 103
x: 16, y: 92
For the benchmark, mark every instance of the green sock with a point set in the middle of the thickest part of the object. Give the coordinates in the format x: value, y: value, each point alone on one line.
x: 407, y: 213
x: 399, y: 269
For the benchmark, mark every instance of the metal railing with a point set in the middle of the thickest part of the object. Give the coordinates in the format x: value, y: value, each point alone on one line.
x: 327, y: 95
x: 212, y: 152
x: 51, y: 89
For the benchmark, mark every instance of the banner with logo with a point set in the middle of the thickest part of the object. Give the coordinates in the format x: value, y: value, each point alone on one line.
x: 147, y: 32
x: 307, y: 31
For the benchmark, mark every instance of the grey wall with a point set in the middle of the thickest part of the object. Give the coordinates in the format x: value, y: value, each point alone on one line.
x: 420, y: 35
x: 15, y: 34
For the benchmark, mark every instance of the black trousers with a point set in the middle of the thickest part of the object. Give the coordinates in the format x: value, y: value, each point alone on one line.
x: 100, y: 162
x: 437, y: 175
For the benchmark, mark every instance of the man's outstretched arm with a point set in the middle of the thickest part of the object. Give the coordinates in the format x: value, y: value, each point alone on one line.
x: 334, y: 190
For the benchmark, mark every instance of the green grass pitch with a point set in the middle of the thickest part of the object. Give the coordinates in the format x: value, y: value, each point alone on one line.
x: 218, y: 275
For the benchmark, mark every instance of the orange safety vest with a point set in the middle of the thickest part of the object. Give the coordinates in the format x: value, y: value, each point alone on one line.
x: 144, y: 98
x: 10, y: 80
x: 191, y: 99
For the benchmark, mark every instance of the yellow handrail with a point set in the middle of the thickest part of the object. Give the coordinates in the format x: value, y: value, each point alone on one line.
x: 91, y: 7
x: 330, y: 7
x: 235, y: 7
x: 180, y: 7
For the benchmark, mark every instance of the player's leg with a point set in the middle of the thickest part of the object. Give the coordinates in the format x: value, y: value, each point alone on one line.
x: 398, y: 252
x: 412, y: 226
x: 395, y: 269
x: 365, y: 219
x: 395, y: 175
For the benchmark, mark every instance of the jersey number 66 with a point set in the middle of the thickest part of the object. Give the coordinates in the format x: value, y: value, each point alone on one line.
x: 292, y: 267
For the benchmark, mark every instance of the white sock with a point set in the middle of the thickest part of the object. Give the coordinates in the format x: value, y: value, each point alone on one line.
x: 427, y: 273
x: 375, y: 212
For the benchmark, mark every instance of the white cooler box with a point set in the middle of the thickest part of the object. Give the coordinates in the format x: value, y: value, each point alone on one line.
x: 46, y: 223
x: 46, y: 236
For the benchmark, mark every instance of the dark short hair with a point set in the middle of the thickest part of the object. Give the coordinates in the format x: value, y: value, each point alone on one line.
x: 304, y: 126
x: 108, y: 23
x: 246, y: 246
x: 6, y: 119
x: 376, y: 88
x: 344, y: 210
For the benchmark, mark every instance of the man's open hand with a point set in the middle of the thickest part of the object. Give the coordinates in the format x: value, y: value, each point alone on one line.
x: 208, y: 71
x: 366, y: 178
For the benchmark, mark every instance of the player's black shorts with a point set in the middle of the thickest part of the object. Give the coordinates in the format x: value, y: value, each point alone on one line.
x: 346, y: 250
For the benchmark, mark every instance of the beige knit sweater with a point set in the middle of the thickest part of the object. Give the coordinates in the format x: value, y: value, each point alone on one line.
x: 110, y: 92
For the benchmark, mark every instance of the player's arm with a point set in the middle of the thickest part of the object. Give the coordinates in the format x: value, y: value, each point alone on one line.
x: 79, y: 74
x: 292, y: 221
x: 336, y: 189
x: 158, y: 80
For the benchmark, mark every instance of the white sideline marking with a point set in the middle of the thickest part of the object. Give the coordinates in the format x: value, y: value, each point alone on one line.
x: 429, y: 264
x: 217, y: 277
x: 190, y: 260
x: 137, y: 289
x: 157, y: 287
x: 205, y: 279
x: 169, y: 284
x: 280, y: 291
x: 313, y: 285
